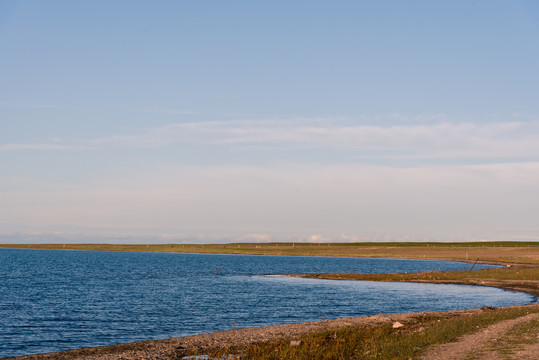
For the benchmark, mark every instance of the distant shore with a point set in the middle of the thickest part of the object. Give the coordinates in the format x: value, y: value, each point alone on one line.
x: 500, y: 253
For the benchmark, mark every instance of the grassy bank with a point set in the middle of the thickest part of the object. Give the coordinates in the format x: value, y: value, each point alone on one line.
x: 518, y: 273
x: 518, y: 279
x: 493, y: 252
x: 527, y: 273
x: 376, y: 342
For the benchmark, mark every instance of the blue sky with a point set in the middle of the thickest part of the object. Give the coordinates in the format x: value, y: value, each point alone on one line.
x: 206, y: 121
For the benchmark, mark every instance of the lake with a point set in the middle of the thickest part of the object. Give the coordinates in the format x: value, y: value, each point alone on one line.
x: 60, y: 300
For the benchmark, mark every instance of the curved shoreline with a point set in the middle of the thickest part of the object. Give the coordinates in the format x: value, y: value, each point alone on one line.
x: 172, y: 348
x: 526, y: 286
x: 175, y: 348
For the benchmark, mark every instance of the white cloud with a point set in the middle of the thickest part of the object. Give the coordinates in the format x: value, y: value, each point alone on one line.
x: 440, y: 140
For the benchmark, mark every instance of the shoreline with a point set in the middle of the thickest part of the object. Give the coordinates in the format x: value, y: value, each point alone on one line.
x: 175, y: 348
x: 526, y: 286
x: 494, y: 253
x: 388, y: 256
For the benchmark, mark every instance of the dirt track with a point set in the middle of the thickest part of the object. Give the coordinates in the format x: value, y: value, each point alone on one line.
x: 489, y: 343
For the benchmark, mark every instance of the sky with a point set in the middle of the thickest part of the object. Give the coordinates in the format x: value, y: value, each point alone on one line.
x: 222, y: 121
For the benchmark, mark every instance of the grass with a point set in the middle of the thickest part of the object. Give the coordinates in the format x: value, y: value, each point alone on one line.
x: 378, y: 342
x: 525, y: 333
x: 531, y: 273
x: 518, y: 335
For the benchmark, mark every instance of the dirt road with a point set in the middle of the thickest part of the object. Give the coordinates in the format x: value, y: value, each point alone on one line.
x: 510, y: 339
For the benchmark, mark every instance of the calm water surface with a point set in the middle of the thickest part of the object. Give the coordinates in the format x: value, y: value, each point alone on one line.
x: 59, y: 300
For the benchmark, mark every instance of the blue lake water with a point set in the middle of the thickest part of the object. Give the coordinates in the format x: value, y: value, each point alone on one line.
x: 59, y: 300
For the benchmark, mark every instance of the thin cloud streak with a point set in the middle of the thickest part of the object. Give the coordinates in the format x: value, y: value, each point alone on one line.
x: 443, y: 140
x: 168, y: 111
x: 41, y: 147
